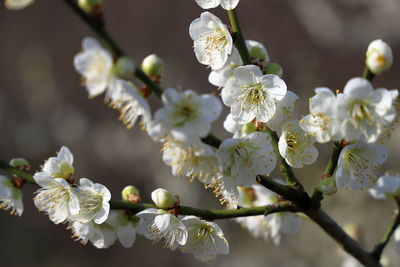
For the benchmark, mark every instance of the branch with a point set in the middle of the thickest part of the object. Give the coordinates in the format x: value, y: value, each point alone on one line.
x: 210, y: 215
x: 337, y: 233
x: 377, y: 251
x: 238, y: 37
x: 182, y: 210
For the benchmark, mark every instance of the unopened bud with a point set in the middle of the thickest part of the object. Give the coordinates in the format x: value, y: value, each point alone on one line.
x: 379, y: 57
x: 124, y: 67
x: 163, y: 198
x: 273, y: 68
x: 257, y: 50
x: 328, y: 186
x: 19, y: 163
x: 249, y: 128
x: 17, y: 5
x: 153, y: 65
x: 130, y: 194
x: 89, y: 5
x: 246, y: 196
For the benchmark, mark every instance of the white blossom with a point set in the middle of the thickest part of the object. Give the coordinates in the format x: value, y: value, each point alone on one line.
x: 365, y: 113
x: 60, y: 166
x: 379, y: 57
x: 272, y: 226
x: 93, y: 201
x: 225, y: 4
x: 284, y: 110
x: 195, y: 161
x: 130, y: 102
x: 205, y: 239
x: 56, y: 197
x: 386, y: 186
x: 321, y: 121
x: 124, y: 227
x: 100, y: 235
x: 296, y: 146
x: 17, y: 4
x: 186, y: 116
x: 357, y: 164
x: 158, y: 224
x: 232, y: 126
x: 95, y: 64
x: 212, y: 41
x: 10, y: 197
x: 252, y: 95
x: 246, y: 157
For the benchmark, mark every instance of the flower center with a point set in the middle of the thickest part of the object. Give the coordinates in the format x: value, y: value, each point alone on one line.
x: 361, y: 112
x: 291, y: 140
x: 253, y: 94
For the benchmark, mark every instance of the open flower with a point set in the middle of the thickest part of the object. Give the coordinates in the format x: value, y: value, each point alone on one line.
x: 226, y: 4
x: 56, y: 197
x: 321, y: 121
x: 272, y: 226
x: 284, y: 110
x: 296, y: 146
x: 10, y: 197
x: 100, y: 235
x: 205, y: 239
x: 246, y: 157
x: 195, y: 161
x: 95, y: 64
x: 357, y: 164
x: 158, y: 224
x: 386, y: 186
x: 60, y: 166
x: 364, y: 112
x: 130, y: 102
x: 93, y: 201
x: 186, y: 116
x: 17, y: 4
x: 252, y: 95
x: 212, y: 41
x: 124, y: 227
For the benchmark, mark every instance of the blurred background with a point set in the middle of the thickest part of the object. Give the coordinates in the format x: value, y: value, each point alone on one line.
x: 42, y: 107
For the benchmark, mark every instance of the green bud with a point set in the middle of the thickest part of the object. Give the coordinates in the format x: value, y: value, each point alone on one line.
x: 124, y: 67
x: 130, y: 193
x: 249, y: 128
x: 163, y: 198
x: 328, y: 186
x: 273, y: 68
x: 89, y: 5
x: 19, y: 162
x: 258, y: 53
x: 152, y: 65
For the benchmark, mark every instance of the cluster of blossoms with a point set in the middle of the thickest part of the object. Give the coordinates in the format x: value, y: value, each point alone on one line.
x: 264, y: 132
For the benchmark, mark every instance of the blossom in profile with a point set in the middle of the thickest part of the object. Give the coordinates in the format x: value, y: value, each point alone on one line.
x: 386, y: 186
x: 17, y: 4
x: 357, y: 165
x: 295, y: 146
x: 10, y: 197
x: 100, y: 235
x: 252, y: 95
x: 213, y: 42
x: 225, y: 4
x: 186, y: 116
x: 205, y: 239
x: 158, y: 224
x: 60, y: 166
x: 95, y: 64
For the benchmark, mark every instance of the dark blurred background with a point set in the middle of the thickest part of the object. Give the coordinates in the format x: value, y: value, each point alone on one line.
x: 42, y: 106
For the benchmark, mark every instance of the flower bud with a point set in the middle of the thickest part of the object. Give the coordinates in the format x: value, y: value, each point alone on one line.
x: 379, y: 57
x: 153, y: 65
x: 124, y: 67
x: 249, y: 128
x: 89, y: 5
x: 328, y: 186
x: 273, y: 68
x: 257, y: 50
x: 131, y: 194
x: 20, y: 163
x: 246, y: 196
x: 17, y: 4
x: 163, y: 198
